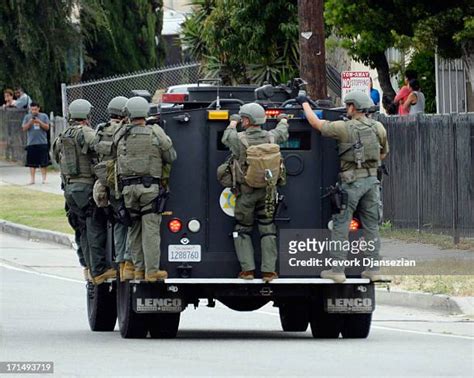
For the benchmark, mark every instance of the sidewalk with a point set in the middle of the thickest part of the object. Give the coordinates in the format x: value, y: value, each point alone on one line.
x: 14, y: 174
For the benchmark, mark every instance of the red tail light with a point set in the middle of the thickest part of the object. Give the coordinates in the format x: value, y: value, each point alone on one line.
x: 175, y: 225
x: 272, y: 113
x: 355, y: 225
x: 174, y: 98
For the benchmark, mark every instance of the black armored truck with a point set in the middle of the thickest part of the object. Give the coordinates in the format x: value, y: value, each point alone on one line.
x: 197, y: 245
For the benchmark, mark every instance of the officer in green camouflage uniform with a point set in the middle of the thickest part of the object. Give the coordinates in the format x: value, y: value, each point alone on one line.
x: 73, y: 152
x: 141, y: 152
x: 103, y: 145
x: 362, y: 144
x: 250, y: 202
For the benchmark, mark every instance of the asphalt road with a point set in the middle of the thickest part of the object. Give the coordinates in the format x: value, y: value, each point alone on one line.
x: 43, y: 318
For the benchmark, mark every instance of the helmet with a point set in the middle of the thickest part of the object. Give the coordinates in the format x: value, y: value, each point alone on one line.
x: 80, y: 109
x: 359, y: 99
x: 137, y: 107
x: 254, y: 112
x: 116, y: 106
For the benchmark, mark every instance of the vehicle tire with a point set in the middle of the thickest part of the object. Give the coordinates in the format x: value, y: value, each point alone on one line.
x: 356, y: 326
x: 101, y: 306
x: 324, y: 325
x: 163, y: 326
x: 131, y: 324
x: 294, y: 317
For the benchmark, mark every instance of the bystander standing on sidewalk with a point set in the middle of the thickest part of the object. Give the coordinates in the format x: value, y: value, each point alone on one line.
x: 36, y: 124
x: 23, y: 101
x: 9, y: 100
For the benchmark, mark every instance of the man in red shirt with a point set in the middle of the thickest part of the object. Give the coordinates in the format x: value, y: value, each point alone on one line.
x: 404, y: 92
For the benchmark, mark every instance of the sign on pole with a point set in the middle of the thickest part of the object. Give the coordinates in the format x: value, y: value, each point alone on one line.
x: 355, y: 81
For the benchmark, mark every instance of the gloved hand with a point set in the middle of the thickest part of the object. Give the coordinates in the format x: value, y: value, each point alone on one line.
x: 301, y: 98
x: 282, y: 116
x: 234, y: 117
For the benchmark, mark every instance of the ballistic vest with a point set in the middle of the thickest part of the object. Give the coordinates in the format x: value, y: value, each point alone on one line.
x: 105, y: 135
x: 362, y: 150
x: 138, y: 152
x: 76, y: 161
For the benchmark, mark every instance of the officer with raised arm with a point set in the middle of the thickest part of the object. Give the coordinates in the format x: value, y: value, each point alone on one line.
x: 362, y: 144
x: 254, y: 188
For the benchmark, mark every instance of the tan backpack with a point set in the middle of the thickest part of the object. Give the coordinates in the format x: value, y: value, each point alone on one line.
x: 264, y: 162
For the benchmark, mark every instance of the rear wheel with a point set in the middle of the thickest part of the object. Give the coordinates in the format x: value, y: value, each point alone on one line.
x: 101, y: 306
x: 356, y: 326
x: 324, y: 325
x: 132, y: 325
x: 294, y: 317
x: 163, y: 326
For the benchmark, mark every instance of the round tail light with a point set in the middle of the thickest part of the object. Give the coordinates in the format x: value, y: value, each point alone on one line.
x: 175, y: 225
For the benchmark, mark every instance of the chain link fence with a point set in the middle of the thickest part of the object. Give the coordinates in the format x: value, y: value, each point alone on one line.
x: 430, y: 186
x: 100, y: 92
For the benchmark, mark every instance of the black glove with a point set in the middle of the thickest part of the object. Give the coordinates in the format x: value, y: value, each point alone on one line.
x: 301, y: 98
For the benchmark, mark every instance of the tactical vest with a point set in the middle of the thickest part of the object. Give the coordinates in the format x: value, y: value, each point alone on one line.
x: 138, y: 152
x: 104, y: 147
x: 259, y: 159
x: 75, y: 161
x: 363, y: 147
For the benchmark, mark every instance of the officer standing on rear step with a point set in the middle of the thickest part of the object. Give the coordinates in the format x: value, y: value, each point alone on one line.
x: 103, y: 145
x: 72, y: 150
x: 362, y: 144
x: 253, y: 199
x: 142, y: 150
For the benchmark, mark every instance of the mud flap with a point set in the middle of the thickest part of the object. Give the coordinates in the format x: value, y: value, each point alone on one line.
x: 150, y: 298
x: 349, y: 299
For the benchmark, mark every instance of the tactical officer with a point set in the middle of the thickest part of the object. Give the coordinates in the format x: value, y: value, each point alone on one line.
x: 251, y: 201
x: 103, y: 145
x: 142, y: 150
x: 73, y: 152
x: 362, y: 144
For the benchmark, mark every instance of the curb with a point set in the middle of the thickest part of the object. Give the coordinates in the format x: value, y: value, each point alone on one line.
x: 433, y: 302
x: 36, y: 233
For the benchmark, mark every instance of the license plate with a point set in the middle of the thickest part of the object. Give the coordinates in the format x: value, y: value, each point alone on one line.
x: 183, y: 253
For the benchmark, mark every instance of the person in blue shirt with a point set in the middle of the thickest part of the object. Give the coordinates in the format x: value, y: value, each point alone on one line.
x: 36, y: 126
x: 23, y: 101
x: 374, y: 94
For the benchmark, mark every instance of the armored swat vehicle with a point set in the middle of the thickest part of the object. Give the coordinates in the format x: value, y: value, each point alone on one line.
x: 197, y: 244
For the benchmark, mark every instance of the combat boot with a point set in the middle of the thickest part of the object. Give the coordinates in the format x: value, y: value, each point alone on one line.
x: 139, y: 275
x: 155, y: 276
x: 374, y: 275
x: 269, y: 276
x: 336, y: 276
x: 108, y: 274
x: 128, y: 271
x: 246, y: 275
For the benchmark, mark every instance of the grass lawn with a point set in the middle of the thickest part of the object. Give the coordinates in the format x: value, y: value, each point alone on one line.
x: 458, y: 286
x: 33, y: 208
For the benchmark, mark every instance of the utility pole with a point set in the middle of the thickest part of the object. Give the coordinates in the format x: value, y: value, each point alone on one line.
x: 312, y: 51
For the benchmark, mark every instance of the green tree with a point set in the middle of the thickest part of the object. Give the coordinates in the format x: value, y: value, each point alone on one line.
x: 35, y: 38
x: 121, y: 36
x: 244, y: 41
x: 369, y: 27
